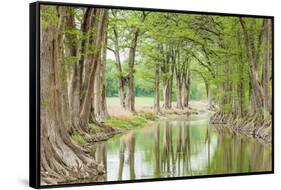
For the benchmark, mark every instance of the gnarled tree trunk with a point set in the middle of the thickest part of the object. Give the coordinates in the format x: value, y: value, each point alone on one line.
x: 99, y: 101
x: 76, y: 85
x: 100, y: 15
x: 61, y: 159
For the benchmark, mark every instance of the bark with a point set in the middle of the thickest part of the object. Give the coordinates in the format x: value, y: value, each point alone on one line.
x: 100, y: 15
x: 179, y: 67
x: 266, y: 69
x: 76, y: 86
x: 121, y: 79
x: 209, y: 95
x: 186, y: 87
x: 257, y: 92
x: 179, y: 92
x: 168, y: 72
x: 100, y: 112
x: 241, y: 96
x: 157, y: 89
x: 105, y: 114
x: 130, y: 98
x: 85, y: 29
x: 70, y: 45
x: 166, y: 94
x: 61, y: 159
x: 241, y: 83
x: 186, y: 83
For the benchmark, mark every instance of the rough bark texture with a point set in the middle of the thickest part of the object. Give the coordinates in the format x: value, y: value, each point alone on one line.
x: 122, y: 81
x: 130, y: 98
x: 61, y: 160
x: 257, y: 91
x: 100, y: 15
x: 76, y: 87
x: 266, y: 69
x: 186, y: 86
x: 157, y: 89
x: 168, y: 72
x: 179, y: 66
x: 99, y: 101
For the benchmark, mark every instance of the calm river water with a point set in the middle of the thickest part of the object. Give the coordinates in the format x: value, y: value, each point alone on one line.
x: 180, y: 147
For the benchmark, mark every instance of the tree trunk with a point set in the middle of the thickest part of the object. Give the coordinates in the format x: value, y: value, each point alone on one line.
x: 170, y: 91
x: 105, y: 114
x: 157, y: 89
x: 121, y: 81
x: 257, y: 92
x: 100, y: 15
x: 61, y: 160
x: 179, y: 70
x: 266, y: 69
x: 186, y: 87
x: 76, y: 84
x: 88, y: 21
x: 99, y: 109
x: 166, y: 95
x: 209, y: 95
x: 241, y: 83
x: 130, y: 98
x: 168, y: 72
x: 179, y: 92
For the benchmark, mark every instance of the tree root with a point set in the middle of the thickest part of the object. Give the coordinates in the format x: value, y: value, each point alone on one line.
x: 251, y: 125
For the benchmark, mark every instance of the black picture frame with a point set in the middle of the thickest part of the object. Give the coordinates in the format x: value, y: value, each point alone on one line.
x: 34, y: 93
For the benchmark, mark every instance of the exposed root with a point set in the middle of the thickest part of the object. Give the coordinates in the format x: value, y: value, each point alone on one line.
x: 251, y: 125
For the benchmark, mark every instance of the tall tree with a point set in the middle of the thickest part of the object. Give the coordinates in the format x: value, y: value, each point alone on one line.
x: 100, y: 15
x: 61, y: 159
x: 78, y: 50
x: 253, y: 53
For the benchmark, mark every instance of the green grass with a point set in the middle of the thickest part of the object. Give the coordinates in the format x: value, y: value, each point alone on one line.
x: 139, y: 120
x: 148, y: 116
x: 79, y: 139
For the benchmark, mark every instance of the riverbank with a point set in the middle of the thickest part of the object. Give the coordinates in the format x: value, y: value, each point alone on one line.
x: 121, y: 120
x: 250, y: 125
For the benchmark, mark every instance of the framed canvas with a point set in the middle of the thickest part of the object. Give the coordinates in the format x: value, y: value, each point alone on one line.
x: 126, y: 94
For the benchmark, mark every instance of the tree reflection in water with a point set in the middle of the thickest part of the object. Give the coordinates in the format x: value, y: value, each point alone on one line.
x: 127, y: 142
x: 181, y: 148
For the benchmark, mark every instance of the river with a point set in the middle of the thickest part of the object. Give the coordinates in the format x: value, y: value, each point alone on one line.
x: 180, y: 147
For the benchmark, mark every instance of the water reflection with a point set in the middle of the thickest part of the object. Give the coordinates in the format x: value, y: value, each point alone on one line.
x: 180, y: 148
x: 127, y: 144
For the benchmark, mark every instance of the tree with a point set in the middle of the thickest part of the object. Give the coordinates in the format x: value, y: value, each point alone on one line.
x: 100, y: 15
x: 61, y: 158
x: 253, y: 46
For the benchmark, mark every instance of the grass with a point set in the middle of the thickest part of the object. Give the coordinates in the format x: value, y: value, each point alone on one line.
x: 139, y: 120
